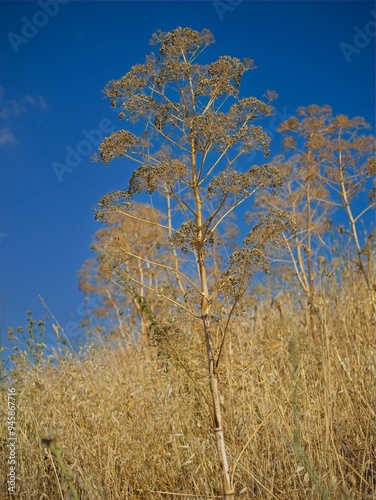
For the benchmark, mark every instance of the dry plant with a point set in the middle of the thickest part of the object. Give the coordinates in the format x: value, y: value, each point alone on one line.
x: 190, y: 128
x: 300, y: 420
x: 328, y: 165
x: 341, y: 160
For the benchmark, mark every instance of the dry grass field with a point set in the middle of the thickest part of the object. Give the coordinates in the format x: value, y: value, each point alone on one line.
x: 299, y: 419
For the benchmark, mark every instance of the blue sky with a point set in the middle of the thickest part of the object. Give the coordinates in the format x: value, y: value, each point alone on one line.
x: 54, y: 64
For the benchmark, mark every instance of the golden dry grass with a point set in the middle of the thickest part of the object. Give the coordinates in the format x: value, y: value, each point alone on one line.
x: 136, y: 427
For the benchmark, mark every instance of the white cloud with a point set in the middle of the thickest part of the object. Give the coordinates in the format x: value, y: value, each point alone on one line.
x: 38, y: 101
x: 6, y: 136
x: 13, y: 107
x: 30, y: 100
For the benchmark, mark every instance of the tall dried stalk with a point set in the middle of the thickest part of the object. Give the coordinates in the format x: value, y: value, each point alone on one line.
x: 187, y: 154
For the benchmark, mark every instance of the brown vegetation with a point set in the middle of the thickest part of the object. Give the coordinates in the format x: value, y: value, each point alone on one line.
x: 197, y: 381
x: 131, y: 428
